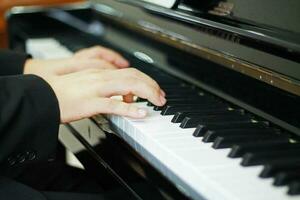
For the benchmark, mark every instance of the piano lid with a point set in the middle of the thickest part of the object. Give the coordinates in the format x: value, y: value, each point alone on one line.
x: 247, y: 32
x: 279, y: 14
x: 253, y: 22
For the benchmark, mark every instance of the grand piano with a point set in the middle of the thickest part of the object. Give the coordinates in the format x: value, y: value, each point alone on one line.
x: 231, y: 71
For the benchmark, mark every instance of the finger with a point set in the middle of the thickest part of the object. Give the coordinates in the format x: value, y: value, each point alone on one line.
x: 146, y: 91
x: 128, y: 98
x: 116, y: 83
x: 132, y: 81
x: 162, y: 93
x: 77, y: 65
x: 111, y: 106
x: 95, y: 63
x: 132, y: 73
x: 143, y: 77
x: 136, y: 87
x: 104, y: 53
x: 122, y: 63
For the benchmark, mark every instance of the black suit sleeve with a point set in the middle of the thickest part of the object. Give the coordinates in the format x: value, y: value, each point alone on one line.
x: 11, y: 63
x: 29, y: 119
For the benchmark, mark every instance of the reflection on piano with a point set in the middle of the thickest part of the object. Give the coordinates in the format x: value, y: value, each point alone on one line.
x: 230, y: 129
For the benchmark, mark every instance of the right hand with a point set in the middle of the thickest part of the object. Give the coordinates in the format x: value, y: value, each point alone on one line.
x: 87, y: 93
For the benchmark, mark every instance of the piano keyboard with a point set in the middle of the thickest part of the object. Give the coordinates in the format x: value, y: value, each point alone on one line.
x: 208, y: 148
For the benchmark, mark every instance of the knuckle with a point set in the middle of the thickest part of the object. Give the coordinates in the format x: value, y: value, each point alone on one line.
x: 134, y: 71
x: 97, y: 47
x: 133, y: 82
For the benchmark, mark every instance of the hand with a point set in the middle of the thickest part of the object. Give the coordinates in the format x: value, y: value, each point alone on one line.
x: 103, y: 53
x: 87, y: 93
x: 94, y: 57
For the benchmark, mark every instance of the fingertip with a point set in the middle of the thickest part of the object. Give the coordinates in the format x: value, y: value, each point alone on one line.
x: 162, y: 93
x: 163, y: 100
x: 141, y: 113
x: 108, y: 58
x: 122, y: 63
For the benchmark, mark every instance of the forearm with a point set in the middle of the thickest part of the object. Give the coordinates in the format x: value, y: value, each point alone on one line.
x: 12, y: 63
x: 29, y: 117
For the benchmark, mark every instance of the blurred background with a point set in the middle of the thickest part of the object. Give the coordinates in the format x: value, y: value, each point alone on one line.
x: 7, y: 4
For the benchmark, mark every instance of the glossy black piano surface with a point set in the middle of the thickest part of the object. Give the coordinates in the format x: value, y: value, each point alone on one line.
x: 244, y: 69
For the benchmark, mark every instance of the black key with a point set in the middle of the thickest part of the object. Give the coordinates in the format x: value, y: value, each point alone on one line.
x: 177, y: 98
x: 201, y: 130
x: 170, y: 96
x: 250, y: 159
x: 195, y: 104
x: 179, y: 116
x: 227, y: 142
x: 270, y: 170
x: 294, y: 188
x: 75, y: 47
x: 211, y: 136
x: 194, y: 122
x: 240, y: 150
x: 284, y: 178
x: 171, y: 110
x: 139, y: 99
x: 174, y: 85
x: 181, y: 91
x: 184, y: 102
x: 191, y: 101
x: 150, y: 104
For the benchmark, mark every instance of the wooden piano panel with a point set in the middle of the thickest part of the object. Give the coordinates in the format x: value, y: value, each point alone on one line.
x: 7, y: 4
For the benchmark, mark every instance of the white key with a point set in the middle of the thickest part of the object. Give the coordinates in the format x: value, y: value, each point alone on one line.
x: 193, y: 166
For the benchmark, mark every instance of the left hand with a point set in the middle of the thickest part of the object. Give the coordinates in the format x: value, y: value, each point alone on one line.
x: 103, y: 53
x: 95, y: 57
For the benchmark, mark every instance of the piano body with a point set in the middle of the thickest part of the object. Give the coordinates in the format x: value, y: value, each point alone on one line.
x: 231, y: 70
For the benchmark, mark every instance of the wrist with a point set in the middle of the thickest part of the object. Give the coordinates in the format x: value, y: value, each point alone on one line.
x: 29, y: 63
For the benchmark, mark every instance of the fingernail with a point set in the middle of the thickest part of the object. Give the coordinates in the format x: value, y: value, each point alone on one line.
x: 163, y: 100
x: 142, y: 112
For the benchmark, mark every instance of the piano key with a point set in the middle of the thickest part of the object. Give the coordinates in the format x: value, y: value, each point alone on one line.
x: 156, y: 140
x: 195, y: 104
x: 284, y: 178
x: 294, y: 188
x: 250, y: 159
x: 209, y: 175
x: 203, y: 129
x: 228, y: 142
x: 211, y: 136
x: 171, y: 110
x: 240, y: 150
x: 194, y: 122
x: 190, y: 101
x: 141, y: 100
x: 182, y: 91
x: 171, y: 96
x: 179, y: 116
x: 270, y: 170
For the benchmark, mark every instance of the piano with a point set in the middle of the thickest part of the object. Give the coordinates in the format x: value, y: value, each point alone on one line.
x: 231, y: 71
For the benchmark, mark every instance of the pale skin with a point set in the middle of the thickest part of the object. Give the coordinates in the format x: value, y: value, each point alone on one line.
x: 84, y: 83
